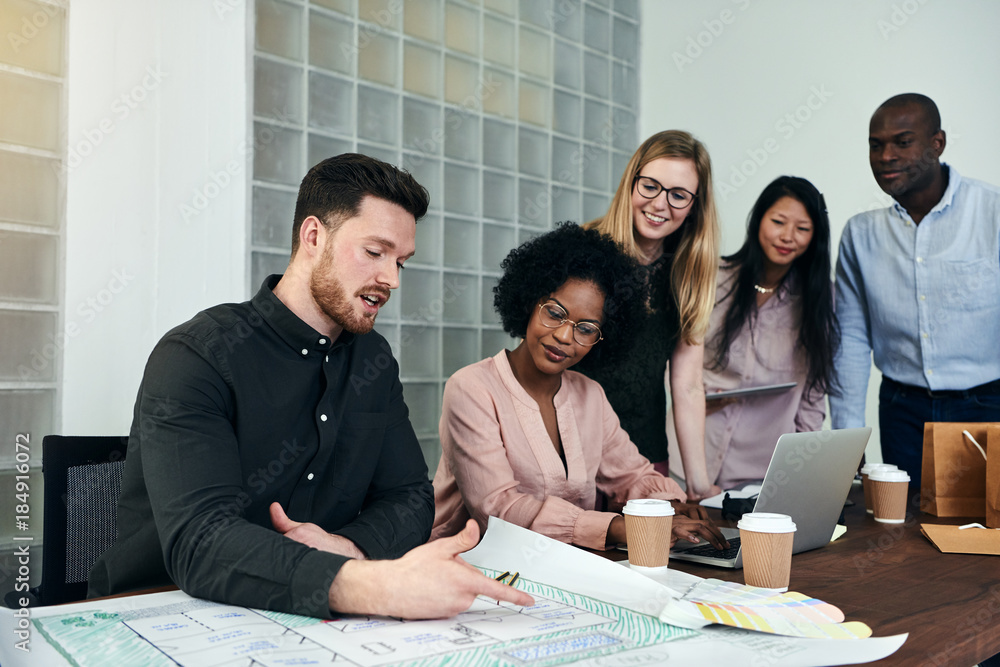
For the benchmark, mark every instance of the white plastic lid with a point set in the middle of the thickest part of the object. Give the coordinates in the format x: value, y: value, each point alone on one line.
x: 888, y: 475
x: 867, y: 468
x: 648, y: 507
x: 766, y: 522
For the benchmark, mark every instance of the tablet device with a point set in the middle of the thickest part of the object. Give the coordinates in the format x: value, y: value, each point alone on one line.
x: 744, y: 391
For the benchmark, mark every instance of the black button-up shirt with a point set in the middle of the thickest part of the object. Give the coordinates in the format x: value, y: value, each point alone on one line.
x: 245, y: 405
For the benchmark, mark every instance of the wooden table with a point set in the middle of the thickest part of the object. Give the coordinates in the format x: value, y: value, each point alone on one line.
x: 892, y: 578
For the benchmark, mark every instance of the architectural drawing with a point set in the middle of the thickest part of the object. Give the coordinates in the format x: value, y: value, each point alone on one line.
x: 561, y: 627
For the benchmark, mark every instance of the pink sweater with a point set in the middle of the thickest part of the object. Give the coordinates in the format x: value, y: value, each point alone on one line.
x: 497, y: 458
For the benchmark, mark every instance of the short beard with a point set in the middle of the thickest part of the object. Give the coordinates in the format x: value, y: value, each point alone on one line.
x: 329, y: 294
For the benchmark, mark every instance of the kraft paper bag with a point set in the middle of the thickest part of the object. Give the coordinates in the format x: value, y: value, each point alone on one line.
x: 993, y: 476
x: 953, y: 477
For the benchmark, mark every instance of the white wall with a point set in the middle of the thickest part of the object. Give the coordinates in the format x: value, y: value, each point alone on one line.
x: 733, y: 71
x: 158, y: 109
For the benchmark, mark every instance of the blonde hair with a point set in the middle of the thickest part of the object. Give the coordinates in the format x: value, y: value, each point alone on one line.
x: 692, y: 276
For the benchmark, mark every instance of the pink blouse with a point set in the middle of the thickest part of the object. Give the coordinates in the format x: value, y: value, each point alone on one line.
x: 497, y: 458
x: 740, y: 438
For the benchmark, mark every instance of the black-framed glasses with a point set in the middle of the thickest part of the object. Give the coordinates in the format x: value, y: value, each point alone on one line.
x: 650, y: 188
x: 553, y: 316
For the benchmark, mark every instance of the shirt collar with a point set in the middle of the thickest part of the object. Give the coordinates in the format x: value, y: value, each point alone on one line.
x: 506, y: 373
x: 954, y: 181
x: 297, y: 334
x: 788, y: 286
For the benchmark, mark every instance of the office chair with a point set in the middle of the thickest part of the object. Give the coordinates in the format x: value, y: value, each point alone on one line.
x: 83, y: 477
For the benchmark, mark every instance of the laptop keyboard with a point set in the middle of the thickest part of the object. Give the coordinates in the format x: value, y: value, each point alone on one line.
x: 711, y: 552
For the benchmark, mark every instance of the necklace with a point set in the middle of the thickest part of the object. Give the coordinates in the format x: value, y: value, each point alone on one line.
x: 764, y: 290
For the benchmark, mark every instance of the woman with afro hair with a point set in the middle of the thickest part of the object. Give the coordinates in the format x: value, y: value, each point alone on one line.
x: 526, y: 439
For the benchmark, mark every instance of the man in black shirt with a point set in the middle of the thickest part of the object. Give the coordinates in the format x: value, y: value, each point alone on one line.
x: 271, y: 461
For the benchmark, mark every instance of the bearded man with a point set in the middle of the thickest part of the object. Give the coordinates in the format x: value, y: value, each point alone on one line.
x: 271, y: 461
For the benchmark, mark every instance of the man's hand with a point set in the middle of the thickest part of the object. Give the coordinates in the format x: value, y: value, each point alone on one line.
x: 312, y: 535
x: 432, y: 581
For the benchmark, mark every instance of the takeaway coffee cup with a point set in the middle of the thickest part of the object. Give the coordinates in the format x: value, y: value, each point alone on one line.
x: 648, y: 523
x: 766, y: 545
x: 889, y: 488
x: 866, y: 471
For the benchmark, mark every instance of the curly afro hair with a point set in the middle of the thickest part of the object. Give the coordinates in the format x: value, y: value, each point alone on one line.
x: 542, y: 265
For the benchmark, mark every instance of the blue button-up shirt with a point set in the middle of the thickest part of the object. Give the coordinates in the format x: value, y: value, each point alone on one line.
x: 925, y: 299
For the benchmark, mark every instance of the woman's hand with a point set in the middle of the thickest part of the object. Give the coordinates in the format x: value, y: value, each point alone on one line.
x: 695, y: 494
x: 683, y: 528
x: 616, y: 532
x: 711, y: 407
x: 694, y: 530
x: 690, y: 510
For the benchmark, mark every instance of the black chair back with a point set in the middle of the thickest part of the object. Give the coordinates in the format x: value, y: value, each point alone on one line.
x: 83, y: 478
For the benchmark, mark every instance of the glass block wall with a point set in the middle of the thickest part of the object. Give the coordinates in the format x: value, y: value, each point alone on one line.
x: 512, y: 114
x: 32, y: 196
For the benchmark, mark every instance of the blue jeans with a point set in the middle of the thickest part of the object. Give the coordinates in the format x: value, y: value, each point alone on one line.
x: 902, y: 411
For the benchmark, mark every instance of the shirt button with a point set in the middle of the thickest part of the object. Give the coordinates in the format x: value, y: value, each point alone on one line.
x: 930, y: 371
x: 305, y: 352
x: 309, y: 476
x: 322, y: 341
x: 923, y: 298
x: 322, y: 417
x: 920, y: 260
x: 327, y: 358
x: 924, y: 334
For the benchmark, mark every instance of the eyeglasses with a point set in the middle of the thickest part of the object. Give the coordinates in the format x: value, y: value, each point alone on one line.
x: 553, y: 316
x: 650, y: 188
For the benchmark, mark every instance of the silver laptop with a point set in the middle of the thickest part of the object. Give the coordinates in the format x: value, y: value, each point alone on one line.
x: 809, y: 477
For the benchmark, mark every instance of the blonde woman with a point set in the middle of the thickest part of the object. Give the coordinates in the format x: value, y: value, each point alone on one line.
x: 663, y: 214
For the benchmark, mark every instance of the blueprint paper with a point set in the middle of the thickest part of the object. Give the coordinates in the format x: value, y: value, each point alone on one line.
x: 540, y: 558
x: 509, y: 547
x: 174, y: 629
x: 597, y: 625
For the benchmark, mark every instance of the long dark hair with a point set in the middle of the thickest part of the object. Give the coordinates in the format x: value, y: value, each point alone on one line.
x: 819, y: 332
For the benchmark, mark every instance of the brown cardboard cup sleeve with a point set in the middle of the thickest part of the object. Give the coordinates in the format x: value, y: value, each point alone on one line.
x: 648, y: 524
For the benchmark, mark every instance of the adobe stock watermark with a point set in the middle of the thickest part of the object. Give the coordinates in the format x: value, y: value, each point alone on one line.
x: 31, y: 25
x: 560, y: 12
x: 380, y: 21
x: 979, y: 619
x: 121, y: 108
x: 22, y: 516
x: 696, y: 45
x: 426, y: 315
x: 533, y: 208
x: 899, y: 16
x: 88, y: 310
x: 223, y: 7
x: 786, y: 125
x: 454, y: 119
x: 220, y: 179
x: 953, y: 471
